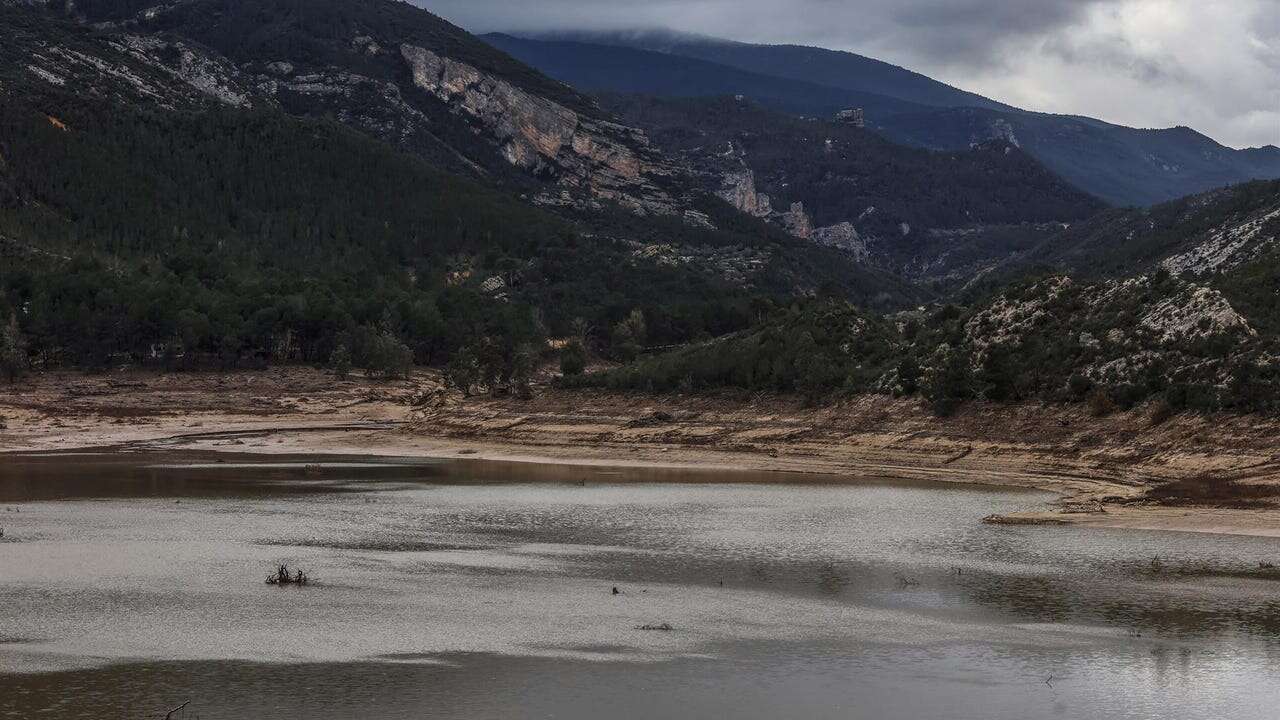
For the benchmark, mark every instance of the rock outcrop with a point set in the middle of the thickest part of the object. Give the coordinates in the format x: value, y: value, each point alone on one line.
x: 607, y: 160
x: 1136, y: 327
x: 1194, y: 314
x: 853, y: 116
x: 797, y: 221
x: 1228, y: 246
x: 843, y: 236
x: 738, y: 188
x: 210, y: 75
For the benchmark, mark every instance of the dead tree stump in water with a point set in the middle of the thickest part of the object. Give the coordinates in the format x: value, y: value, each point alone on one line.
x: 282, y: 576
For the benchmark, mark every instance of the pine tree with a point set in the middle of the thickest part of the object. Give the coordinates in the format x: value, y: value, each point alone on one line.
x: 13, y: 350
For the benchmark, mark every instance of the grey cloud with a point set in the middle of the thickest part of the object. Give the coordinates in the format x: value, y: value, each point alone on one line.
x: 1117, y: 54
x: 958, y: 30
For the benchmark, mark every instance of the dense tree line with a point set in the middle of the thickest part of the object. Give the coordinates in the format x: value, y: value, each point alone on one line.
x: 242, y: 238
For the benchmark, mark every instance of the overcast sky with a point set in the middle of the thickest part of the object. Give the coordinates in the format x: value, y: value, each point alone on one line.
x: 1210, y: 64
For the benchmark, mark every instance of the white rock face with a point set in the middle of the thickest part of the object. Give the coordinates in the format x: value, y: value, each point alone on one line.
x: 1225, y: 247
x: 609, y: 161
x: 1007, y: 319
x: 843, y: 236
x: 738, y: 188
x: 1001, y: 130
x: 797, y: 222
x: 1197, y: 313
x: 212, y: 77
x: 47, y: 76
x: 1141, y: 336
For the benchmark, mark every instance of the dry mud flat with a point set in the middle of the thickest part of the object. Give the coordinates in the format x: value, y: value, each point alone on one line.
x: 1226, y: 469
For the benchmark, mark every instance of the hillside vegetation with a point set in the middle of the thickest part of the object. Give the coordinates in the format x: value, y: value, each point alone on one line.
x: 1115, y: 344
x: 891, y: 195
x: 156, y: 207
x: 228, y: 235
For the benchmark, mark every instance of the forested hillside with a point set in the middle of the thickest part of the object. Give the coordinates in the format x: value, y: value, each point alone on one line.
x: 1113, y: 344
x: 226, y: 183
x: 1200, y: 234
x: 891, y: 196
x: 147, y: 218
x: 229, y: 228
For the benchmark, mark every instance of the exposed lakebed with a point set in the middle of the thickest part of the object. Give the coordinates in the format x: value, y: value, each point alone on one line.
x: 132, y: 582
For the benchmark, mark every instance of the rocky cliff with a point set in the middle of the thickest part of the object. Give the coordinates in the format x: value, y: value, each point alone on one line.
x: 386, y: 68
x: 842, y: 236
x: 608, y: 160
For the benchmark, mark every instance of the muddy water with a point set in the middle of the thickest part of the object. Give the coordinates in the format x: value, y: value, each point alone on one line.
x: 132, y: 583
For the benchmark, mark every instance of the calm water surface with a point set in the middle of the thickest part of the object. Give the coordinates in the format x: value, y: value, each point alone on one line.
x: 132, y: 583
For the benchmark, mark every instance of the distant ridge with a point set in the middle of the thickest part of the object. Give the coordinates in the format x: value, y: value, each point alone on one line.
x: 1123, y: 165
x: 813, y: 65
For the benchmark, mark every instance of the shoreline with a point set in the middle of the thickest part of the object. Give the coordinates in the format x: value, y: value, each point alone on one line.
x: 1098, y: 468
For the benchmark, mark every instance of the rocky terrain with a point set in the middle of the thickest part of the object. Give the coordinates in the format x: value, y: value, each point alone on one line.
x: 609, y: 160
x: 1126, y: 330
x: 909, y: 212
x: 1224, y: 240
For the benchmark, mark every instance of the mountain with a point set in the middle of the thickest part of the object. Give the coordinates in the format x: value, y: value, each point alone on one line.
x: 408, y: 77
x: 596, y: 67
x: 235, y: 182
x: 1226, y: 239
x: 1178, y: 304
x: 1197, y: 236
x: 1125, y: 166
x: 912, y: 211
x: 811, y: 65
x: 1114, y: 343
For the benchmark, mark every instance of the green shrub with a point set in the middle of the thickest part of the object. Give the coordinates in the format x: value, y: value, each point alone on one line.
x: 389, y: 358
x: 13, y: 351
x: 340, y: 361
x: 573, y: 358
x: 948, y: 381
x: 629, y: 336
x: 463, y: 371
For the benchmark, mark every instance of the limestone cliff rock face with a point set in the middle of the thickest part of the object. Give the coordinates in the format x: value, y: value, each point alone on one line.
x: 607, y: 160
x: 211, y: 76
x: 797, y: 221
x: 738, y: 188
x: 843, y: 236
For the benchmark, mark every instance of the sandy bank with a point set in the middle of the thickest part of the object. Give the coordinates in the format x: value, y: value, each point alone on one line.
x: 1101, y: 467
